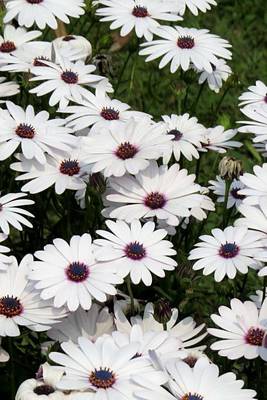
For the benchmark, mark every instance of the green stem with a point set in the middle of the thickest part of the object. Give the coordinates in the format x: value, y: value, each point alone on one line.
x: 221, y: 101
x: 226, y: 195
x: 130, y: 291
x: 165, y: 326
x: 122, y: 72
x: 12, y: 381
x: 194, y: 106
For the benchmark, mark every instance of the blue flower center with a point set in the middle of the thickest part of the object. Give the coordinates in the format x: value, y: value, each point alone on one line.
x: 234, y: 193
x: 69, y: 77
x: 102, y: 378
x: 155, y: 200
x: 69, y: 167
x: 44, y: 390
x: 228, y: 250
x: 186, y: 42
x: 177, y: 134
x: 110, y: 114
x: 140, y: 12
x: 126, y: 150
x: 135, y: 251
x: 10, y: 306
x: 191, y: 396
x: 25, y: 131
x: 77, y: 272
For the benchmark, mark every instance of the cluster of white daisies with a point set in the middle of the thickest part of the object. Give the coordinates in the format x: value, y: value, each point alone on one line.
x: 62, y: 289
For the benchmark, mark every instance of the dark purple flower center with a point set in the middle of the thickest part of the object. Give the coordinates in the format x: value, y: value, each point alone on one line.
x: 25, y: 131
x: 110, y: 114
x: 191, y: 396
x: 68, y: 38
x: 44, y: 390
x: 77, y: 272
x: 38, y: 61
x: 265, y: 98
x: 135, y: 251
x: 190, y: 360
x: 140, y: 12
x: 69, y: 77
x: 255, y: 336
x: 7, y: 47
x: 228, y: 250
x: 177, y: 134
x: 155, y: 200
x: 234, y: 193
x: 102, y: 378
x: 185, y: 42
x: 69, y: 167
x: 10, y: 306
x: 126, y: 150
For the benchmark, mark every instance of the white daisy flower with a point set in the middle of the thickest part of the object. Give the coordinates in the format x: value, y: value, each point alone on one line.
x: 8, y: 89
x: 220, y: 73
x: 257, y: 298
x: 4, y: 260
x: 35, y: 133
x: 186, y: 330
x: 186, y: 132
x: 202, y: 382
x: 255, y: 97
x: 226, y: 252
x: 20, y: 304
x: 66, y: 81
x: 45, y: 386
x: 42, y: 12
x: 165, y: 345
x: 79, y: 46
x: 242, y: 330
x: 167, y: 194
x: 136, y: 250
x: 255, y: 190
x: 68, y: 171
x: 255, y: 217
x: 13, y: 38
x: 126, y: 148
x: 12, y: 214
x: 257, y: 124
x: 140, y: 15
x: 234, y: 198
x: 4, y: 356
x: 193, y: 5
x: 70, y: 275
x: 192, y: 356
x: 99, y: 111
x: 90, y: 324
x: 217, y: 139
x: 103, y: 369
x: 183, y: 47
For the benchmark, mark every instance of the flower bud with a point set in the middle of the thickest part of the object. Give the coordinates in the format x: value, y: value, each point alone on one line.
x: 74, y: 47
x: 162, y: 311
x: 230, y: 168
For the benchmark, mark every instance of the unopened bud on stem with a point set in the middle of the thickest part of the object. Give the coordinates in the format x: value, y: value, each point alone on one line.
x: 230, y: 168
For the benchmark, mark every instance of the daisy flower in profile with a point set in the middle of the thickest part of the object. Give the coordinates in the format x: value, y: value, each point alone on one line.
x: 202, y: 382
x: 8, y: 89
x: 186, y: 136
x: 185, y: 331
x: 184, y: 47
x: 99, y: 111
x: 257, y: 123
x: 4, y: 356
x: 102, y: 368
x: 234, y: 198
x: 66, y: 80
x: 68, y: 171
x: 217, y: 139
x: 165, y: 193
x: 255, y: 97
x: 140, y: 15
x: 193, y: 5
x: 35, y: 133
x: 91, y: 324
x: 20, y: 304
x: 45, y: 385
x: 125, y: 148
x: 242, y: 330
x: 136, y: 250
x: 42, y: 12
x: 78, y: 45
x: 220, y: 73
x: 226, y: 252
x: 70, y: 275
x: 11, y: 212
x: 13, y: 38
x: 255, y: 190
x: 4, y: 260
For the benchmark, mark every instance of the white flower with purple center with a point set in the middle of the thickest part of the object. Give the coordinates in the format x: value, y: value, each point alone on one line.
x: 11, y: 212
x: 241, y: 329
x: 70, y: 275
x: 256, y: 97
x: 220, y: 73
x: 234, y: 198
x: 137, y: 250
x: 14, y: 38
x: 219, y: 140
x: 226, y: 252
